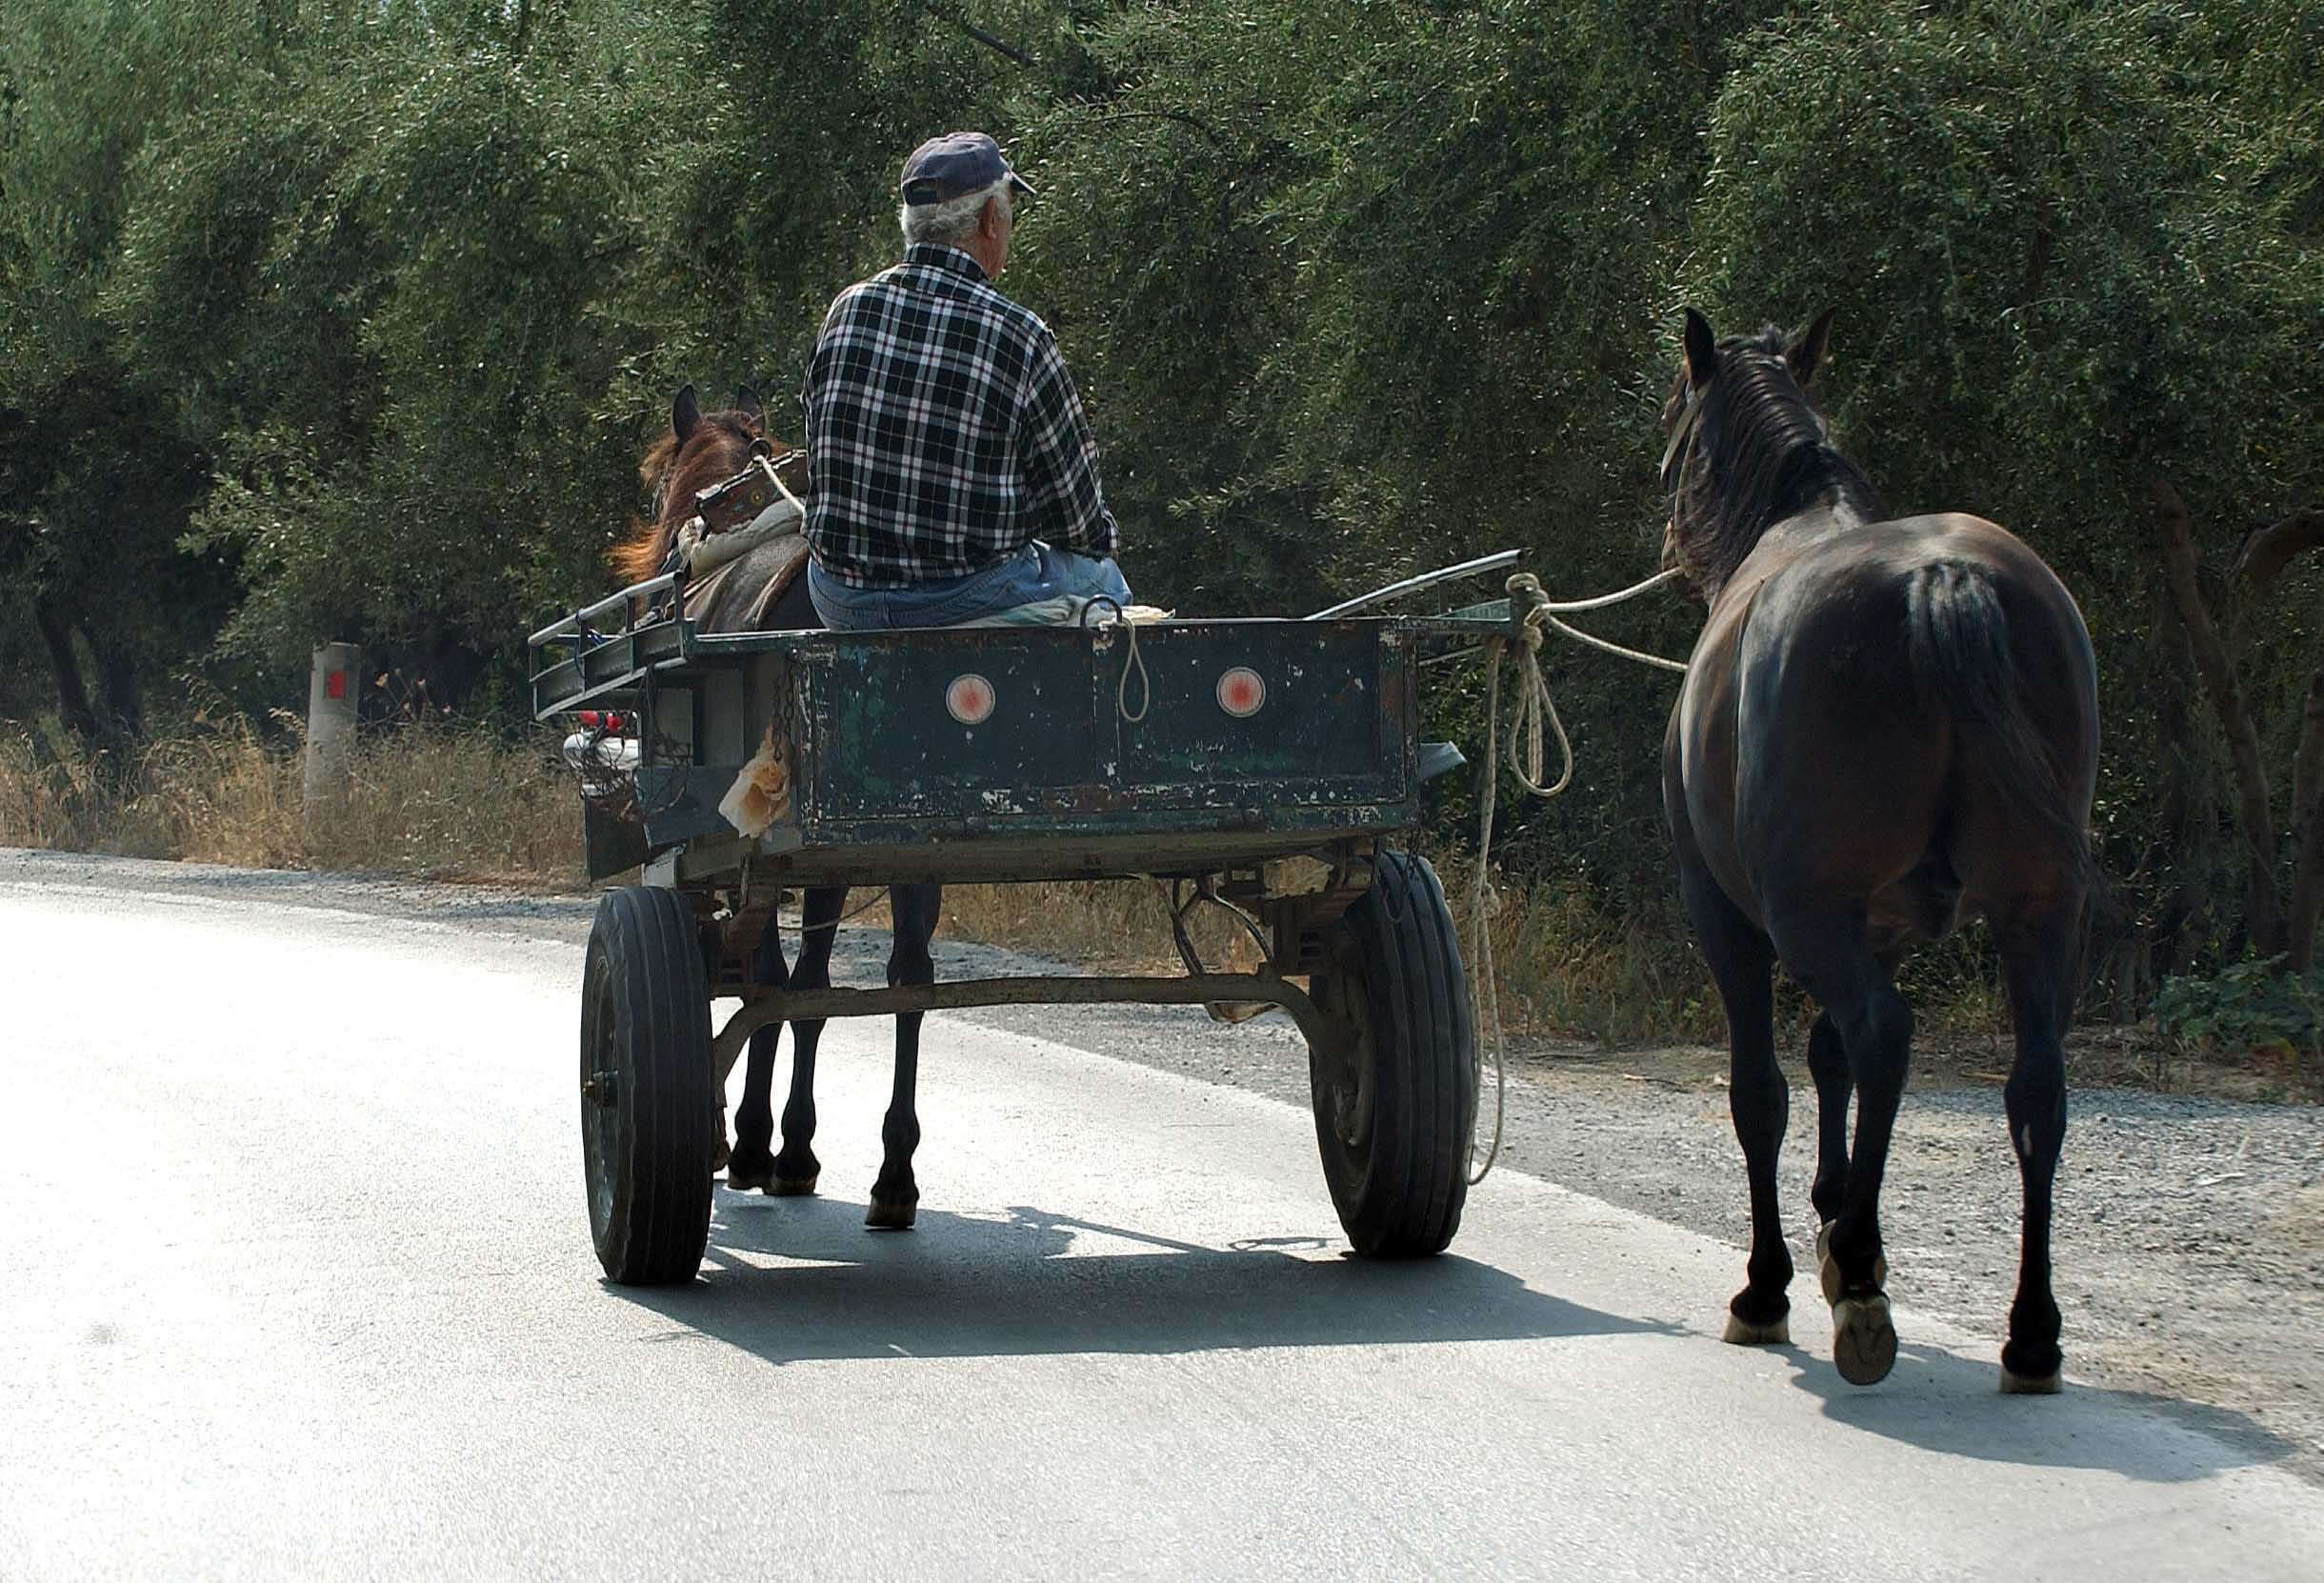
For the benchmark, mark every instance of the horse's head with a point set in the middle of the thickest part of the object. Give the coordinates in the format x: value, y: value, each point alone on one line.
x: 702, y: 448
x: 1735, y: 418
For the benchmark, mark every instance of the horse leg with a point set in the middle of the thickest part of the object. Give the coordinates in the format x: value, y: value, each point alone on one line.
x: 796, y: 1170
x: 751, y: 1165
x: 1828, y: 1064
x: 2037, y: 959
x: 1757, y: 1097
x: 895, y: 1196
x: 1826, y: 952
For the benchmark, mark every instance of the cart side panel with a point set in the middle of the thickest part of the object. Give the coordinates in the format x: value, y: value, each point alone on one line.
x: 949, y: 724
x: 934, y: 750
x: 1302, y: 711
x: 1238, y: 725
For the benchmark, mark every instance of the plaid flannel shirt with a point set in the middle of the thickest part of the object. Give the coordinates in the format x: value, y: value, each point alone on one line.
x: 943, y: 432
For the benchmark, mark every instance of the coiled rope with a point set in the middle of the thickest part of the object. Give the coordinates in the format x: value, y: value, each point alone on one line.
x: 1528, y: 760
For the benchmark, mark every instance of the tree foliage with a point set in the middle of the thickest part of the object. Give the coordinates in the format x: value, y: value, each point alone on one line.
x: 350, y: 320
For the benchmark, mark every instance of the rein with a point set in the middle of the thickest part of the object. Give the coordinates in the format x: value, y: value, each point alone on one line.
x: 1528, y: 762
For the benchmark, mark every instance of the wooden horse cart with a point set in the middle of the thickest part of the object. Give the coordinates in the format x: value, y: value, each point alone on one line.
x: 1271, y: 768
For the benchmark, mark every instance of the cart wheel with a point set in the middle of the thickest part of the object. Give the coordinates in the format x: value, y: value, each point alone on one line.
x: 1396, y: 1100
x: 647, y: 1113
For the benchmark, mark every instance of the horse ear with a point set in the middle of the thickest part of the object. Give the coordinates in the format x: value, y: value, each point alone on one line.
x: 1805, y: 353
x: 684, y: 411
x: 746, y: 397
x: 1702, y: 350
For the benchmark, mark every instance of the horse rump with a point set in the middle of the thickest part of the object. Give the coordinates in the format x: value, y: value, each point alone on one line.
x: 1967, y: 663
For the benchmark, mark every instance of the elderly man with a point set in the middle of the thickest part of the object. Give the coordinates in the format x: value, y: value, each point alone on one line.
x: 956, y: 479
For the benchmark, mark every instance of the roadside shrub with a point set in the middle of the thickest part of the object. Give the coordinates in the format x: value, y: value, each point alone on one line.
x: 2252, y: 1008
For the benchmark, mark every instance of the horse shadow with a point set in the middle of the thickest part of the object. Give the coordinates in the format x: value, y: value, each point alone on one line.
x: 1941, y: 1401
x: 970, y: 1286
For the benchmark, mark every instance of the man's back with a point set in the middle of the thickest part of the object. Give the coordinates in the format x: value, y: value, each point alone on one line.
x: 942, y: 430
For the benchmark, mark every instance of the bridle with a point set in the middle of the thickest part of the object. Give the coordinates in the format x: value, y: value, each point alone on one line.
x: 1682, y: 432
x: 760, y: 447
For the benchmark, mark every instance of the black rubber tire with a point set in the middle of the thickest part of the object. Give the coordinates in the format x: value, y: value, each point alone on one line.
x: 647, y: 1112
x: 1399, y: 1175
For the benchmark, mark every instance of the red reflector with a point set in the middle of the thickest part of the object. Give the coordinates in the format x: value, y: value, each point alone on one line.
x: 614, y: 722
x: 589, y: 719
x: 969, y: 699
x: 1241, y: 692
x: 334, y: 684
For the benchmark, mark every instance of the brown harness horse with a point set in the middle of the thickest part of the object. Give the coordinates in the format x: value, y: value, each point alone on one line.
x: 1889, y: 724
x: 703, y: 449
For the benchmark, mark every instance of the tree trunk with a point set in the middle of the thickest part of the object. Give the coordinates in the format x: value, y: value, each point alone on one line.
x: 124, y: 717
x: 2308, y: 809
x: 71, y: 690
x: 2266, y: 552
x: 2264, y: 912
x: 2185, y: 807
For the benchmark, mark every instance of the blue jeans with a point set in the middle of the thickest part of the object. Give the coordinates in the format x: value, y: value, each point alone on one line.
x: 1035, y: 584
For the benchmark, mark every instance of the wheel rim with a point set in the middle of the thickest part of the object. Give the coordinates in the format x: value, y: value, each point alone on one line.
x: 600, y: 1098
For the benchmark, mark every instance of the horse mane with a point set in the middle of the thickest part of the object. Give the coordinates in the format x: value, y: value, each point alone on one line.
x: 714, y: 450
x: 1750, y: 451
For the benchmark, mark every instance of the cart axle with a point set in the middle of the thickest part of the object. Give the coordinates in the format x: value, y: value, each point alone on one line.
x: 763, y: 1007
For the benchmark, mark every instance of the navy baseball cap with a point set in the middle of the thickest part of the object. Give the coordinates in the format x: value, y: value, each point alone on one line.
x: 955, y: 165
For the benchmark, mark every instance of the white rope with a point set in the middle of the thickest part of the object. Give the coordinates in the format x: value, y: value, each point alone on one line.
x: 1528, y: 758
x: 1575, y: 607
x: 1484, y: 988
x: 1146, y: 685
x: 1642, y: 657
x: 796, y: 504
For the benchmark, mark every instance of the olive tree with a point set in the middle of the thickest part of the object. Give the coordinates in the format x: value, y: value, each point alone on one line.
x: 2068, y: 260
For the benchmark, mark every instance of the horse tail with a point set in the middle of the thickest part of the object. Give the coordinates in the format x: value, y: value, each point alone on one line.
x: 1963, y: 663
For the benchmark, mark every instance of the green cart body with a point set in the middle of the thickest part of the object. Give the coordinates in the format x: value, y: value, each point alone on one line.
x: 1265, y: 765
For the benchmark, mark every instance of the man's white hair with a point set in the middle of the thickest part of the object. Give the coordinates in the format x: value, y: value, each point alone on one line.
x: 953, y: 220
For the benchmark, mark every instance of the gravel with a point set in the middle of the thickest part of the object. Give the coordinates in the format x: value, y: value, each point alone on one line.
x: 2189, y: 1239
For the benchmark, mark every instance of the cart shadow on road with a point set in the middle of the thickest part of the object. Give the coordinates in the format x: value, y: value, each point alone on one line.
x: 970, y: 1287
x: 1950, y: 1404
x: 797, y: 1280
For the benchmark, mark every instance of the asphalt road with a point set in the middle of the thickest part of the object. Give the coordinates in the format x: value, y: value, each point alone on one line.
x: 295, y: 1280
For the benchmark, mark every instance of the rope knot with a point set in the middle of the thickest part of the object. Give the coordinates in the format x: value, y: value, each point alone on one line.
x: 1527, y: 595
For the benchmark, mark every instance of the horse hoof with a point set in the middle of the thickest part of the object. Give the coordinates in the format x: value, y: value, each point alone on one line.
x: 1827, y: 1268
x: 792, y: 1186
x: 1742, y: 1333
x: 720, y: 1155
x: 893, y: 1217
x: 1863, y: 1340
x: 2028, y: 1385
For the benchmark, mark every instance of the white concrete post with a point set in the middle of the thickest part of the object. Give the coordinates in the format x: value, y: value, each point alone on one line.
x: 330, y: 720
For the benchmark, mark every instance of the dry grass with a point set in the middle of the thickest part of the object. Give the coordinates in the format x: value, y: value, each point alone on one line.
x: 1568, y: 968
x: 434, y: 801
x: 455, y: 804
x: 465, y: 803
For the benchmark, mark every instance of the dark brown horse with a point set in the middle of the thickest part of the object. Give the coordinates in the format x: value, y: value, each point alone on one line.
x: 1889, y: 724
x: 701, y: 449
